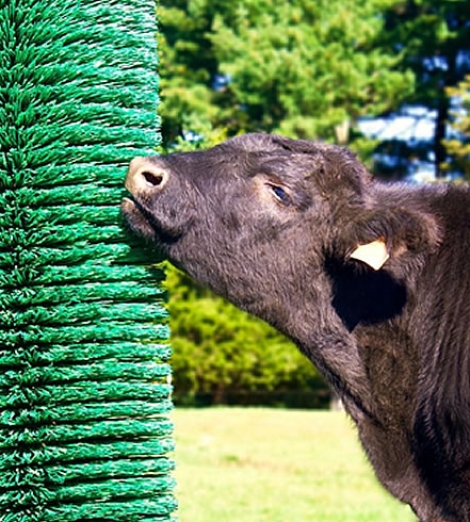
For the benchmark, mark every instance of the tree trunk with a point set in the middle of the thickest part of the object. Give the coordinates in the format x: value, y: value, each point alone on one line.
x: 218, y: 395
x: 440, y: 133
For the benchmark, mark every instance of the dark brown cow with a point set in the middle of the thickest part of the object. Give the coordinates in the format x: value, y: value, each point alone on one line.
x: 370, y: 280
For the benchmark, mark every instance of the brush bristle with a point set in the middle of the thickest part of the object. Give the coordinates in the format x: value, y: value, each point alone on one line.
x: 84, y: 372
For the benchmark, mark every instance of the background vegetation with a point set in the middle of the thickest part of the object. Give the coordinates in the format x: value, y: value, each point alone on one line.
x: 308, y: 69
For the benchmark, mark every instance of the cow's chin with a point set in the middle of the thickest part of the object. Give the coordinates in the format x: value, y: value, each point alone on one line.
x: 137, y: 221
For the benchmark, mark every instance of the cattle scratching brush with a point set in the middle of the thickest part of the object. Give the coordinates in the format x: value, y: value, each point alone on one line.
x: 84, y: 393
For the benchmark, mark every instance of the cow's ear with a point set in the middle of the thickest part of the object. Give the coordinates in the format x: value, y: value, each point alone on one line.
x: 374, y: 236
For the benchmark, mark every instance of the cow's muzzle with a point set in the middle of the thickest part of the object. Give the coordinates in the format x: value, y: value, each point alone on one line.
x: 144, y: 176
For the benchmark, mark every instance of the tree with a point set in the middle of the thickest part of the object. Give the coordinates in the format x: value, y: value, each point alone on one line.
x: 458, y: 147
x: 305, y: 68
x: 433, y: 39
x: 301, y: 68
x: 187, y: 67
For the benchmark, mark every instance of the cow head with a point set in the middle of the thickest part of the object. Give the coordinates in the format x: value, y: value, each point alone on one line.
x: 259, y: 217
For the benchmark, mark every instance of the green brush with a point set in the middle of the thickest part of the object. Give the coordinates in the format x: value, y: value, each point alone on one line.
x: 84, y: 392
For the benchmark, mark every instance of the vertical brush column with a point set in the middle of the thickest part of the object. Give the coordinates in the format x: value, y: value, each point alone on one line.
x: 84, y: 392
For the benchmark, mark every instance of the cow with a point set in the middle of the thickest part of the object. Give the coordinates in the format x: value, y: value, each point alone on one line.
x: 370, y: 280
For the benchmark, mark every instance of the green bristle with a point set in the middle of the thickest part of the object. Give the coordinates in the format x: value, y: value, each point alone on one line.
x: 84, y: 371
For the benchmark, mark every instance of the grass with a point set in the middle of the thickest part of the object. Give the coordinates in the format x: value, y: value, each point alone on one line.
x: 270, y: 465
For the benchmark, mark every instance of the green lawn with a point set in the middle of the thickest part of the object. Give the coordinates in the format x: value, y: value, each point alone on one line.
x: 270, y: 465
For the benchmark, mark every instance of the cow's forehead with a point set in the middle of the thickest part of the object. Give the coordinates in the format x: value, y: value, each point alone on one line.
x: 252, y: 142
x: 270, y: 143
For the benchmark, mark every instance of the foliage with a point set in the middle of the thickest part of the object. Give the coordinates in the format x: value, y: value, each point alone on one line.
x: 220, y: 349
x: 459, y: 149
x: 305, y: 68
x: 302, y: 68
x: 187, y: 67
x: 309, y: 69
x: 433, y: 37
x: 208, y: 137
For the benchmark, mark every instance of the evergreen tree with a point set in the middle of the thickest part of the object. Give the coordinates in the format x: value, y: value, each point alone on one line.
x: 187, y: 69
x: 458, y: 147
x: 307, y: 69
x: 433, y: 38
x: 301, y: 68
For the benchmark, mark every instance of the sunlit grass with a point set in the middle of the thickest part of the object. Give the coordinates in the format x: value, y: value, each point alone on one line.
x: 269, y: 465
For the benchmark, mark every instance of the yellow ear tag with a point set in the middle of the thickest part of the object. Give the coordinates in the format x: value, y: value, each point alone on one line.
x: 374, y: 254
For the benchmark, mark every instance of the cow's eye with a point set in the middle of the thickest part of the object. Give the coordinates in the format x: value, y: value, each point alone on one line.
x: 280, y: 194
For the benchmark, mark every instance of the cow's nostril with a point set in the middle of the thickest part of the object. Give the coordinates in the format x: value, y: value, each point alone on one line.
x: 146, y: 175
x: 152, y: 179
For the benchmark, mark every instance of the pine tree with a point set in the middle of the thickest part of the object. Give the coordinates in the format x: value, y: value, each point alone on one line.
x: 301, y: 68
x: 458, y: 147
x: 434, y: 39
